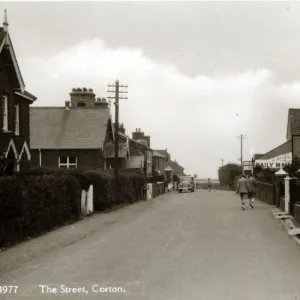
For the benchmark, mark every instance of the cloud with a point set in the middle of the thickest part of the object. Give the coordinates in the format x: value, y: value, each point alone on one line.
x: 195, y: 117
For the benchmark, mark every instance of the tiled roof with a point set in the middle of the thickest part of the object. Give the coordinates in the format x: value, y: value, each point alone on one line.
x: 157, y: 154
x: 257, y: 156
x: 162, y: 152
x: 175, y: 167
x: 57, y: 128
x: 280, y: 150
x: 109, y: 150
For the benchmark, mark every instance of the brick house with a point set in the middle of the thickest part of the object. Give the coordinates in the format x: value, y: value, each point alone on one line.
x: 284, y: 153
x: 71, y: 136
x: 134, y: 155
x: 176, y: 168
x: 15, y: 101
x: 162, y: 162
x: 144, y: 145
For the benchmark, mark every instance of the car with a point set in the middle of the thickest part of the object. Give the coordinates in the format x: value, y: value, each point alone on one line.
x: 186, y: 184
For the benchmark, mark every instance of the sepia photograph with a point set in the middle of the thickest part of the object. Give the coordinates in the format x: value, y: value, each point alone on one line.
x: 150, y: 150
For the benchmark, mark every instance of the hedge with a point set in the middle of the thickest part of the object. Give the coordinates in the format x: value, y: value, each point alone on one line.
x: 131, y: 185
x: 31, y: 205
x: 43, y: 198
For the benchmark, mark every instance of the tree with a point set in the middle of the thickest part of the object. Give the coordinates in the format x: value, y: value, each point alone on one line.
x: 228, y: 173
x: 293, y: 168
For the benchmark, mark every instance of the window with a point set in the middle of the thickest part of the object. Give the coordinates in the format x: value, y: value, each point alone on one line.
x: 4, y: 113
x: 17, y: 119
x: 67, y: 162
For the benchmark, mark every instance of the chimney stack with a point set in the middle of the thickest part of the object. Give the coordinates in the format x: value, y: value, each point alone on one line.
x: 82, y: 98
x: 121, y: 128
x: 67, y: 105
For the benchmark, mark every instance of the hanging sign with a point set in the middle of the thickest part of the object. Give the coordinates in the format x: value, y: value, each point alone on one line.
x: 275, y: 162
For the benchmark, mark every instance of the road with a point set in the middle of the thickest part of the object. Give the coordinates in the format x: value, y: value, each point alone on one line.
x: 198, y: 246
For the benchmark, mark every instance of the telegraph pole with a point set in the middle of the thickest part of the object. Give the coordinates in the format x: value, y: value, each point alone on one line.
x: 222, y: 160
x: 241, y: 137
x: 117, y: 97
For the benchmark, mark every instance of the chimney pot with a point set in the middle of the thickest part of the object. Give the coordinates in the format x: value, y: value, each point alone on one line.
x: 67, y: 105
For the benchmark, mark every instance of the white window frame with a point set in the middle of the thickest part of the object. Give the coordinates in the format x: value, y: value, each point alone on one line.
x: 67, y: 164
x: 5, y: 112
x: 17, y: 119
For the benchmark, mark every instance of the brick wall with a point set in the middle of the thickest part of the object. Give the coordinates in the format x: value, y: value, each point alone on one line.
x: 89, y: 159
x: 296, y: 146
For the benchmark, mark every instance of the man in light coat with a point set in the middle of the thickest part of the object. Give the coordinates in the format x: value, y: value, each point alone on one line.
x: 242, y: 189
x: 251, y: 185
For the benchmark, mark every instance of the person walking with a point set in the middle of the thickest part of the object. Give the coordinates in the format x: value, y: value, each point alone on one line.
x: 242, y: 189
x: 251, y: 185
x: 209, y: 184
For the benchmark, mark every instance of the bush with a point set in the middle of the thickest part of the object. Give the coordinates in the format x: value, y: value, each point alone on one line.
x: 228, y: 173
x: 30, y: 205
x: 103, y: 189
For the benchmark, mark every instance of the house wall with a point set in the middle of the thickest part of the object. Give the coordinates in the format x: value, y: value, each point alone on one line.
x: 296, y: 146
x: 159, y: 163
x: 6, y: 88
x: 86, y: 158
x: 111, y: 161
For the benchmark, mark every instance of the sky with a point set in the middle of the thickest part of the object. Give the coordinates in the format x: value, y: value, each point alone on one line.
x: 198, y: 73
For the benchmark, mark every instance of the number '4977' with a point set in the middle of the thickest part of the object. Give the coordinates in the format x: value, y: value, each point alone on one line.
x: 8, y: 289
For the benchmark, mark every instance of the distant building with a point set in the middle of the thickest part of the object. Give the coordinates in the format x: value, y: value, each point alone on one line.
x: 134, y: 155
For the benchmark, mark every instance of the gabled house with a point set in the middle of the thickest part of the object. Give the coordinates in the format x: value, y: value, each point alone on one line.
x: 123, y: 151
x: 14, y: 105
x: 176, y: 168
x: 134, y: 155
x: 143, y: 145
x: 71, y: 136
x: 284, y: 153
x: 160, y: 161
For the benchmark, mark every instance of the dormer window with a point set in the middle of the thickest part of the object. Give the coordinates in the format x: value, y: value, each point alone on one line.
x: 17, y: 119
x: 4, y: 113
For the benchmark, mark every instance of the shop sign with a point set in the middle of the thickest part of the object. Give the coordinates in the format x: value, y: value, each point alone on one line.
x: 275, y: 162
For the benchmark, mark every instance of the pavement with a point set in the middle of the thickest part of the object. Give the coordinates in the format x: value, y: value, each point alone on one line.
x: 198, y: 246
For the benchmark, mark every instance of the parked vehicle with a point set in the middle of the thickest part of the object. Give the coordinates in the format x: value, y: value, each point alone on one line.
x: 186, y: 184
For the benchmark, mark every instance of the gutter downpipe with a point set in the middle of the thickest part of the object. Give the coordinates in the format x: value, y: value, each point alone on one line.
x: 40, y: 157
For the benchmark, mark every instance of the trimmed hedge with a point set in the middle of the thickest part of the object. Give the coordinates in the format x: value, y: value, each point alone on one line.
x: 31, y: 205
x: 43, y: 198
x: 131, y: 185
